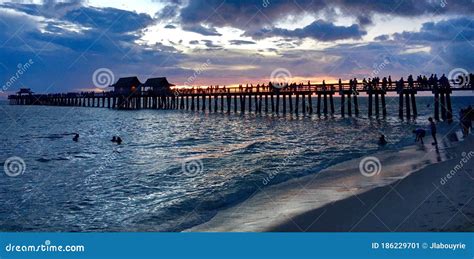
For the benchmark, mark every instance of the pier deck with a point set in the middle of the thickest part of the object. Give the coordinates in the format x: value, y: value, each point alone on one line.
x: 303, y: 98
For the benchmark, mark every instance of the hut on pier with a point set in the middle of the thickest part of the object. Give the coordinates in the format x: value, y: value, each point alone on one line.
x: 24, y: 91
x: 127, y: 86
x: 157, y: 86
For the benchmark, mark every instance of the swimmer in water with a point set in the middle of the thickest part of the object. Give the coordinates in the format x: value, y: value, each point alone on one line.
x: 119, y: 140
x: 382, y: 140
x: 76, y: 137
x: 114, y: 139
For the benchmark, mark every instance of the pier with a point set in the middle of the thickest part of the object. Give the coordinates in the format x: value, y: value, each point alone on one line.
x: 310, y: 98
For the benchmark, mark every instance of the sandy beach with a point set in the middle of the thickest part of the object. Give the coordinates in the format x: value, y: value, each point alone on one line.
x: 418, y: 188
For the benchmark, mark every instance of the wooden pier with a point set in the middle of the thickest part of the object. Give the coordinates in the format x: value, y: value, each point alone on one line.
x: 308, y: 98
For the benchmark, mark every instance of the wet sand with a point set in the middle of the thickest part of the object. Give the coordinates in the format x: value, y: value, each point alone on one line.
x: 410, y: 193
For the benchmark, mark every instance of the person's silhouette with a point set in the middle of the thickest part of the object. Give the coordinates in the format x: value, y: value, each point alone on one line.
x: 76, y: 137
x: 420, y: 134
x: 433, y: 130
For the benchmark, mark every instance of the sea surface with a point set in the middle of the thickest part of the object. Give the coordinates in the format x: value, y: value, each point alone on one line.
x: 175, y: 169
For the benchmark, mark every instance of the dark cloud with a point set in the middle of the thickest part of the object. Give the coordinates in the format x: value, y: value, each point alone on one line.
x: 238, y: 14
x: 170, y: 26
x: 450, y: 40
x: 319, y: 30
x: 458, y: 29
x: 241, y: 42
x: 251, y: 15
x: 201, y: 30
x: 168, y: 12
x: 68, y: 41
x: 67, y: 48
x: 49, y: 8
x: 113, y: 20
x: 382, y: 38
x: 210, y: 44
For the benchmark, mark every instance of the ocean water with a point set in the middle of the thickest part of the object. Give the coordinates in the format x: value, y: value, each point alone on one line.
x: 175, y: 169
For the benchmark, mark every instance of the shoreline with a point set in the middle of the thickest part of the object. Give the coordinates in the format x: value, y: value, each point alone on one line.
x: 339, y: 198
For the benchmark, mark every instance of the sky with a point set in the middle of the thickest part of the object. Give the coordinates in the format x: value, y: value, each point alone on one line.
x: 66, y: 46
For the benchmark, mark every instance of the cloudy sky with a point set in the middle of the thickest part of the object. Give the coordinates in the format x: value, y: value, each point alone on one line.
x: 202, y: 42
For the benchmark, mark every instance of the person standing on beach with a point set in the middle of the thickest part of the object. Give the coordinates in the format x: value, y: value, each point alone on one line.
x: 466, y: 122
x: 433, y: 131
x: 469, y: 117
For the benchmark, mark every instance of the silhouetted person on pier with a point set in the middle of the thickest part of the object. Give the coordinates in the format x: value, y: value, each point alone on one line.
x: 76, y: 137
x: 444, y: 82
x: 430, y: 82
x: 410, y: 82
x: 433, y: 130
x: 382, y: 141
x: 384, y: 83
x: 419, y: 134
x: 399, y: 85
x: 270, y: 87
x: 376, y: 82
x: 119, y: 140
x: 390, y: 81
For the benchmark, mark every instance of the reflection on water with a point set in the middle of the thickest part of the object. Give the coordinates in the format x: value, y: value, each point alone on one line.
x: 142, y: 185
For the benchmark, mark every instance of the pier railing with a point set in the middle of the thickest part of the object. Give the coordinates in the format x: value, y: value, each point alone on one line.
x: 358, y: 86
x: 275, y: 98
